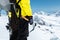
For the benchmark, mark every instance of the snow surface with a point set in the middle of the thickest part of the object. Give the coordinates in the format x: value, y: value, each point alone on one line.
x: 47, y: 28
x: 4, y: 34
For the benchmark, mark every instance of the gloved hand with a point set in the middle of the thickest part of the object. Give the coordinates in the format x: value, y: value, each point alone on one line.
x: 31, y: 21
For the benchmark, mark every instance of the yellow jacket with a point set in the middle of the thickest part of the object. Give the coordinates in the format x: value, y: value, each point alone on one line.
x: 25, y: 8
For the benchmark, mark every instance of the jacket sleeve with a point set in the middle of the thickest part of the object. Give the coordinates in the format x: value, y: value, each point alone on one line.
x: 25, y: 8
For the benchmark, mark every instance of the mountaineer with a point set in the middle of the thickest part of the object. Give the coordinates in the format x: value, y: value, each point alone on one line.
x: 20, y: 14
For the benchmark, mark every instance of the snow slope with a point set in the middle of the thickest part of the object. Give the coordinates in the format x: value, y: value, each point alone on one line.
x: 4, y: 34
x: 46, y: 28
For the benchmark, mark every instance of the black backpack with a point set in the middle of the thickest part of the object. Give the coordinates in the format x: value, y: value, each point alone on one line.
x: 14, y: 8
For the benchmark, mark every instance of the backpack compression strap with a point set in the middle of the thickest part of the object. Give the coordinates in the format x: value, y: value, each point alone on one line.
x: 18, y: 1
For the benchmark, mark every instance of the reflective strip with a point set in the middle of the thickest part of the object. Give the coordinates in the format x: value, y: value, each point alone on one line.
x: 17, y: 13
x: 9, y: 14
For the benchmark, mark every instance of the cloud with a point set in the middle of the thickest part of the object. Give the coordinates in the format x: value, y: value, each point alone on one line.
x: 4, y: 2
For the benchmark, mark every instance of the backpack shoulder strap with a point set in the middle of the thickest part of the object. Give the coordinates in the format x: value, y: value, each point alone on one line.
x: 18, y: 6
x: 18, y: 1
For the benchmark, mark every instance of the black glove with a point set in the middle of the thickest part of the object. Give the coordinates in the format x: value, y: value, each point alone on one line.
x: 31, y: 21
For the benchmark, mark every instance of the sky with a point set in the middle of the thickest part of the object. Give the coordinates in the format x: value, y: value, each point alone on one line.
x: 45, y: 5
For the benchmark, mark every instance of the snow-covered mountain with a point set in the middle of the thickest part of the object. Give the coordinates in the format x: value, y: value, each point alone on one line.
x: 42, y: 13
x: 46, y: 20
x: 52, y: 13
x: 57, y: 13
x: 46, y: 27
x: 49, y: 24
